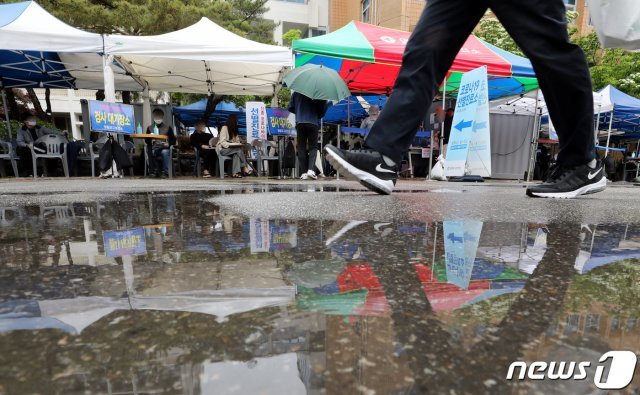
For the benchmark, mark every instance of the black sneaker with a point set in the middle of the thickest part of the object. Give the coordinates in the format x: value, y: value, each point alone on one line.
x: 367, y: 166
x: 571, y: 182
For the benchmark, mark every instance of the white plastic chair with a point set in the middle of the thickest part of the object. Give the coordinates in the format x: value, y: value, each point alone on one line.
x: 53, y: 144
x: 221, y: 158
x: 7, y: 153
x: 262, y: 149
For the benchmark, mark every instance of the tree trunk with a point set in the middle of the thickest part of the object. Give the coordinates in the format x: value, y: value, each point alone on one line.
x: 14, y: 109
x: 212, y: 101
x: 47, y: 98
x: 37, y: 106
x: 126, y: 97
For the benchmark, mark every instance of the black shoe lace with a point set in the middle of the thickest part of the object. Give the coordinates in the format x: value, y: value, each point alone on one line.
x: 557, y: 172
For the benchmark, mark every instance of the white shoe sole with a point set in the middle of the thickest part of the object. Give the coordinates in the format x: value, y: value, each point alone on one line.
x: 585, y: 190
x: 373, y: 183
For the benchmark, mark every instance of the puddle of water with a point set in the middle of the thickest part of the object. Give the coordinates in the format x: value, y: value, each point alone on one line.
x: 164, y: 293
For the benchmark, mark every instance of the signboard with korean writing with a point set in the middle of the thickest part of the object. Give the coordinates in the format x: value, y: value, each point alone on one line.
x: 111, y: 117
x: 281, y: 122
x: 259, y: 235
x: 461, y: 239
x: 125, y: 242
x: 469, y: 149
x: 256, y: 121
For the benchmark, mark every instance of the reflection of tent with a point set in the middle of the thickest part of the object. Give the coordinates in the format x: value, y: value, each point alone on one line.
x: 488, y: 280
x: 192, y: 113
x: 279, y: 374
x: 39, y: 50
x: 202, y: 58
x: 74, y: 315
x: 369, y: 57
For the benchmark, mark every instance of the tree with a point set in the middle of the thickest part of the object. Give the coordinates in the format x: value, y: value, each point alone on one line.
x: 607, y: 66
x: 290, y: 36
x: 492, y: 31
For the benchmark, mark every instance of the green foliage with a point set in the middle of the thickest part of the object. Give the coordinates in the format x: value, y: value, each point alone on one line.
x: 4, y: 133
x: 615, y: 67
x: 289, y: 37
x: 492, y: 31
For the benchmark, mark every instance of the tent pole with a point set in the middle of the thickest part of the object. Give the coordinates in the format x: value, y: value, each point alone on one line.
x: 337, y: 173
x: 534, y: 142
x: 606, y: 153
x: 146, y: 106
x: 109, y: 79
x: 6, y: 112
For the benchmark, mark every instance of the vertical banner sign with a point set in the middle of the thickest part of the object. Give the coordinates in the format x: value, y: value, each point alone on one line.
x: 260, y: 235
x: 464, y: 121
x: 479, y: 157
x: 461, y: 239
x: 256, y: 121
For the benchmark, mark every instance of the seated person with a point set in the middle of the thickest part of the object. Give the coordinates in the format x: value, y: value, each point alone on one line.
x: 229, y: 145
x: 29, y: 133
x: 200, y: 142
x: 159, y: 149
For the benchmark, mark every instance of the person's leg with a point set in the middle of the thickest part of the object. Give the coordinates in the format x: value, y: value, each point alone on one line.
x: 539, y: 27
x: 165, y: 160
x: 441, y: 31
x: 25, y: 164
x: 303, y: 162
x: 151, y: 159
x: 312, y: 141
x: 237, y: 167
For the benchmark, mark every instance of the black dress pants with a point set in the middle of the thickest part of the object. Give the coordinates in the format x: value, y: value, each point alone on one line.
x: 307, y: 146
x: 539, y: 27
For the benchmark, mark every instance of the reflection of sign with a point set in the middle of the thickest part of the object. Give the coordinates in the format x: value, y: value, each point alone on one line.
x: 461, y: 240
x: 279, y: 122
x: 125, y: 242
x: 111, y: 117
x: 259, y: 235
x: 284, y: 237
x: 256, y: 121
x: 469, y: 150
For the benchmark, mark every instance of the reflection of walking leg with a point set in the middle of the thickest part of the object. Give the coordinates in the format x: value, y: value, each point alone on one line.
x: 433, y: 354
x: 442, y: 30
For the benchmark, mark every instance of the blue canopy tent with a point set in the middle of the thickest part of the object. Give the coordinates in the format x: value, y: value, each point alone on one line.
x: 191, y: 113
x: 352, y: 110
x: 626, y: 113
x: 37, y: 50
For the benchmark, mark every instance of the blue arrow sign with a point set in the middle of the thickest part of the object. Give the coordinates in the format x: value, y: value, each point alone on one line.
x: 463, y: 125
x: 479, y: 126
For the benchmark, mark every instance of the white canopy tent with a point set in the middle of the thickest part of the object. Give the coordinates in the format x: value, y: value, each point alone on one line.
x: 202, y: 58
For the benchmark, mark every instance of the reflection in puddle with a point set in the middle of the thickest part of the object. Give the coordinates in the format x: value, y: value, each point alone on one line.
x: 164, y: 293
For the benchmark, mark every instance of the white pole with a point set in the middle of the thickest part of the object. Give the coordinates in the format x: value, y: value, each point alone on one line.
x: 337, y: 173
x: 109, y: 79
x: 146, y: 107
x: 6, y: 113
x: 606, y: 153
x: 535, y: 136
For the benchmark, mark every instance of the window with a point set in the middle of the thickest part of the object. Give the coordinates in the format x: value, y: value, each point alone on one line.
x: 571, y: 4
x: 366, y: 11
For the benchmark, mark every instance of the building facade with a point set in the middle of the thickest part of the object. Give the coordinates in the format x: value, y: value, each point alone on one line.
x: 404, y: 14
x: 311, y: 17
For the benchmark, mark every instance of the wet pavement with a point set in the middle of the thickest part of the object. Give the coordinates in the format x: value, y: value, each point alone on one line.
x: 319, y: 289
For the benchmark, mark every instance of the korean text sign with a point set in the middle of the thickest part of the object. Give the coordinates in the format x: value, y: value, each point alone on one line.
x: 111, y: 117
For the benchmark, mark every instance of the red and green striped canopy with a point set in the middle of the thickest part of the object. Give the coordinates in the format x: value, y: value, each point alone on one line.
x: 369, y: 57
